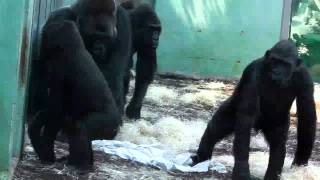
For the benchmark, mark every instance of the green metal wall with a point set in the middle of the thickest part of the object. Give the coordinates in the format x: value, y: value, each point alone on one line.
x: 216, y: 37
x: 15, y: 17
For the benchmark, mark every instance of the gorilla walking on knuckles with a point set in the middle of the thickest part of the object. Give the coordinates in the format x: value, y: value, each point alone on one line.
x: 87, y: 48
x: 262, y: 100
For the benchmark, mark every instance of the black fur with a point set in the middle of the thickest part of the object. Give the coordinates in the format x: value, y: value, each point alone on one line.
x: 146, y: 28
x: 86, y: 48
x: 262, y: 100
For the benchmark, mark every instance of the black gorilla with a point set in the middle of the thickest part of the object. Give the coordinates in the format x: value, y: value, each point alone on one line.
x: 146, y: 29
x: 262, y: 100
x: 79, y: 94
x: 86, y: 48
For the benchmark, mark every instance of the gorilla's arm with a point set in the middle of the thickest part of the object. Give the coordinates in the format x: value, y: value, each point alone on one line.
x: 247, y: 104
x: 115, y: 66
x: 146, y: 33
x: 306, y: 117
x: 145, y: 68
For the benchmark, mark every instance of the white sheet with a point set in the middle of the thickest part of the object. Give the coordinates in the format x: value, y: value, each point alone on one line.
x: 156, y: 155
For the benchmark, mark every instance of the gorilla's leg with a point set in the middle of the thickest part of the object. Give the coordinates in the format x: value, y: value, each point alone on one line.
x: 80, y: 149
x: 241, y: 146
x: 219, y: 127
x: 145, y: 69
x: 50, y: 120
x: 276, y: 138
x: 95, y: 126
x: 39, y: 143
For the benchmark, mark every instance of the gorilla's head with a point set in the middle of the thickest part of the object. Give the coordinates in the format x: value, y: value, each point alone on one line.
x: 280, y: 62
x: 97, y: 18
x: 97, y: 22
x: 146, y: 25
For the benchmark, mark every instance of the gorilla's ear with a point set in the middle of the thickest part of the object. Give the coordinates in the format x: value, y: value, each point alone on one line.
x: 267, y: 54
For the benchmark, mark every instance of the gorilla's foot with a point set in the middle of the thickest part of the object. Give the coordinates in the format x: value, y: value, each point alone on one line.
x: 241, y: 171
x: 80, y: 164
x: 45, y: 152
x: 196, y: 160
x: 133, y: 111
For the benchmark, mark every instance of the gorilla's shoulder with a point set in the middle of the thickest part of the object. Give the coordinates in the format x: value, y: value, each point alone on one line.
x: 253, y: 66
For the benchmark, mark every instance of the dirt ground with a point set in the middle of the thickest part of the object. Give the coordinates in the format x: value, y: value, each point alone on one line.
x: 112, y: 167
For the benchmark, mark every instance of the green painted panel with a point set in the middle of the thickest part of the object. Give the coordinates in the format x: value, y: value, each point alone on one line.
x: 13, y: 69
x: 3, y: 175
x: 216, y: 37
x: 9, y: 50
x: 22, y: 73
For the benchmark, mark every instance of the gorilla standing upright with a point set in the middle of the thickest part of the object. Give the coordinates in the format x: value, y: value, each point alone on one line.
x: 262, y: 100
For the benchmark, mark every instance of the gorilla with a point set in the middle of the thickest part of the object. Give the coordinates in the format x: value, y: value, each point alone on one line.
x: 85, y: 50
x: 105, y: 29
x: 262, y: 101
x: 146, y: 29
x: 79, y: 94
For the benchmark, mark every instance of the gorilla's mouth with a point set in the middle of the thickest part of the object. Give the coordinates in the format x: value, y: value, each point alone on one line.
x: 279, y: 80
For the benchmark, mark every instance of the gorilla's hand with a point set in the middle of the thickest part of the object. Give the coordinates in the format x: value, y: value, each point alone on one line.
x: 297, y: 162
x: 195, y: 160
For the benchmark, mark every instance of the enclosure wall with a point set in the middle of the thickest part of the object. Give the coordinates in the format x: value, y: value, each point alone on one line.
x: 15, y: 18
x: 216, y: 37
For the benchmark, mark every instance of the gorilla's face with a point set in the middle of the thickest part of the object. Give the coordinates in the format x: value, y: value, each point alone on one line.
x: 148, y: 35
x: 97, y: 18
x: 279, y: 69
x: 152, y: 35
x: 97, y: 24
x: 280, y: 62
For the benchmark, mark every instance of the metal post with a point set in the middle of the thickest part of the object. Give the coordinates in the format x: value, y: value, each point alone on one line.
x: 286, y: 20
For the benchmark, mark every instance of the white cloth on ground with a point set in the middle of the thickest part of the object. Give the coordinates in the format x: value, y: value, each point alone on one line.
x: 156, y: 155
